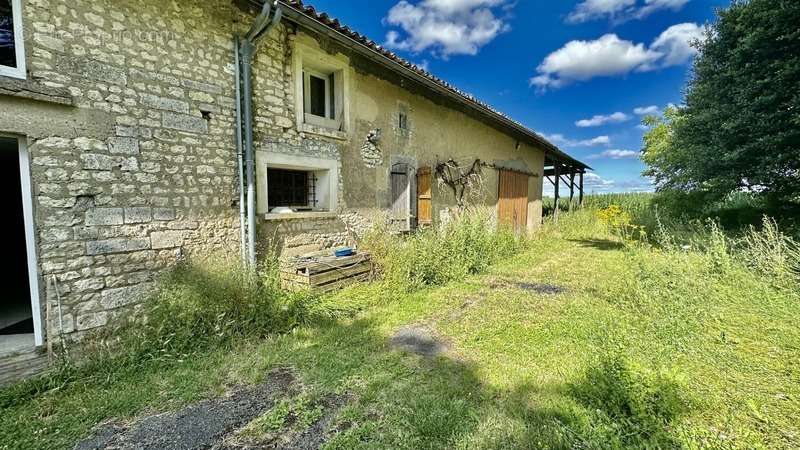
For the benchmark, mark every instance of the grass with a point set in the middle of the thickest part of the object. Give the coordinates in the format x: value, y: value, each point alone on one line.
x: 648, y: 347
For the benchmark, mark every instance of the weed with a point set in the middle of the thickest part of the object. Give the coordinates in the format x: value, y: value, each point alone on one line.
x: 466, y: 245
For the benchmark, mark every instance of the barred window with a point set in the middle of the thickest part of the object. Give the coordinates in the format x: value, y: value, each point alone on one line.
x: 291, y: 188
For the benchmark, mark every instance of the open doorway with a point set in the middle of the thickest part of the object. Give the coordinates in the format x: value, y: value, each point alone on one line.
x: 18, y: 316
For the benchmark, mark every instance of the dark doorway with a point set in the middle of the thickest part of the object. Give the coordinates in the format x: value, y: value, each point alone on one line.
x: 16, y: 317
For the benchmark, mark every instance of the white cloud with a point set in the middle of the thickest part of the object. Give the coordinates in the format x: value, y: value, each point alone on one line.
x: 561, y: 141
x: 646, y: 110
x: 594, y: 183
x: 675, y: 43
x: 596, y: 9
x: 620, y: 10
x: 615, y: 154
x: 611, y: 56
x: 445, y: 27
x: 599, y: 120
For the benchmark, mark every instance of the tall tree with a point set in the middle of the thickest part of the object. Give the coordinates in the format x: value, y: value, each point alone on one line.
x: 740, y: 126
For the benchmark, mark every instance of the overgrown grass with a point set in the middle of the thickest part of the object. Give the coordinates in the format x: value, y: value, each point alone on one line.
x: 674, y: 341
x: 465, y: 246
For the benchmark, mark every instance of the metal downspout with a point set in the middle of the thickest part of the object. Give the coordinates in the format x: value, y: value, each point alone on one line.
x: 240, y: 155
x: 249, y: 155
x: 246, y: 50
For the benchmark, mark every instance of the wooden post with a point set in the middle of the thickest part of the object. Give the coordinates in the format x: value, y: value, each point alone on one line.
x: 558, y: 180
x: 571, y: 187
x: 580, y: 190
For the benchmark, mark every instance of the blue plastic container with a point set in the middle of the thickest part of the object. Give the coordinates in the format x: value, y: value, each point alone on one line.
x: 342, y: 252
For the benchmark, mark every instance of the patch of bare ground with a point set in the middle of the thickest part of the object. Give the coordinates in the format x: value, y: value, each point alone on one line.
x: 535, y: 288
x: 214, y: 423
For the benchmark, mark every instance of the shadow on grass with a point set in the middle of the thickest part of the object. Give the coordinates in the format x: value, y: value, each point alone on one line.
x: 599, y: 244
x: 404, y: 400
x: 400, y: 399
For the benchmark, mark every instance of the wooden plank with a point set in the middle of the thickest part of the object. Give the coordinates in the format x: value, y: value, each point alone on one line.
x: 424, y: 196
x: 325, y: 277
x: 556, y: 192
x: 326, y: 263
x: 342, y: 283
x: 400, y: 213
x: 512, y: 208
x: 337, y: 274
x: 522, y: 201
x: 22, y: 365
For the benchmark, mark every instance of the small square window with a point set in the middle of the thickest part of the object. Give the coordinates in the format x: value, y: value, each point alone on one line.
x: 12, y: 54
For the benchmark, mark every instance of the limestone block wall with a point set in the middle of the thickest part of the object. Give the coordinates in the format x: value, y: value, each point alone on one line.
x: 141, y: 169
x: 138, y: 168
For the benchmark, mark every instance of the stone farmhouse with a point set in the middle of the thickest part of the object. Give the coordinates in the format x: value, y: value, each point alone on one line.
x: 134, y: 133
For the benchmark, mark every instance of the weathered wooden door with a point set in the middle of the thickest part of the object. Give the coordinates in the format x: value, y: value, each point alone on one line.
x: 401, y: 199
x: 512, y: 204
x: 424, y: 197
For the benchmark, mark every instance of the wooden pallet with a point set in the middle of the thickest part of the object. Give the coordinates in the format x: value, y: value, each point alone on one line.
x: 326, y: 273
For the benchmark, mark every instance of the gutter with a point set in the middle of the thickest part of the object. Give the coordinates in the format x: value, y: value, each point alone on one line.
x: 246, y: 47
x: 306, y: 21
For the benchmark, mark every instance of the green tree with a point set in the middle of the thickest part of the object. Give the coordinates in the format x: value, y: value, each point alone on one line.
x: 739, y: 129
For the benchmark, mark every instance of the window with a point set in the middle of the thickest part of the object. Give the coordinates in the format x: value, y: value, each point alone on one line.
x: 318, y: 94
x: 295, y: 189
x: 302, y: 183
x: 12, y: 53
x: 321, y: 89
x: 319, y: 99
x: 402, y: 121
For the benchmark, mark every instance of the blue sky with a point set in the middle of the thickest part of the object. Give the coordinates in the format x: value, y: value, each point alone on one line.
x: 581, y: 73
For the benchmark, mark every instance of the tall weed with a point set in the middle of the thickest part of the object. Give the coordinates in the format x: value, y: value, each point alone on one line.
x: 466, y: 245
x: 209, y: 303
x: 771, y: 252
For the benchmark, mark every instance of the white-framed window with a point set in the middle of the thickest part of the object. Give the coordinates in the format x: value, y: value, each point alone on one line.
x: 319, y: 99
x: 321, y: 89
x: 12, y: 43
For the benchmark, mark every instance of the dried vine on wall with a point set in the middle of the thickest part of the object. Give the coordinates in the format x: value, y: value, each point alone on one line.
x: 465, y: 182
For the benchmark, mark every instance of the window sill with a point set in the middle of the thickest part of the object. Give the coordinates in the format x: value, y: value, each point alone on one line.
x: 301, y: 216
x: 322, y: 131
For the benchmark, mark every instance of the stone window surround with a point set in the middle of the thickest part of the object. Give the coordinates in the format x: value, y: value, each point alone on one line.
x: 19, y: 44
x: 304, y: 55
x: 326, y: 170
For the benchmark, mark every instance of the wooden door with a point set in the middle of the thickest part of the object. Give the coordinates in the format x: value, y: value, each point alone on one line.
x: 401, y: 201
x: 424, y: 197
x: 512, y: 204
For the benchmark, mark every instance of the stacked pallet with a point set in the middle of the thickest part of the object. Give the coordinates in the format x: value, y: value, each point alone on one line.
x: 326, y: 273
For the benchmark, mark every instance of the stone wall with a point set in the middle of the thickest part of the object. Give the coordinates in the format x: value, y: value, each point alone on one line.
x: 141, y: 169
x: 133, y: 155
x: 304, y: 234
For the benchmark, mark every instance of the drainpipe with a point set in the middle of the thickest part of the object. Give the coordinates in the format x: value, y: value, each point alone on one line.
x: 246, y: 49
x: 240, y: 154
